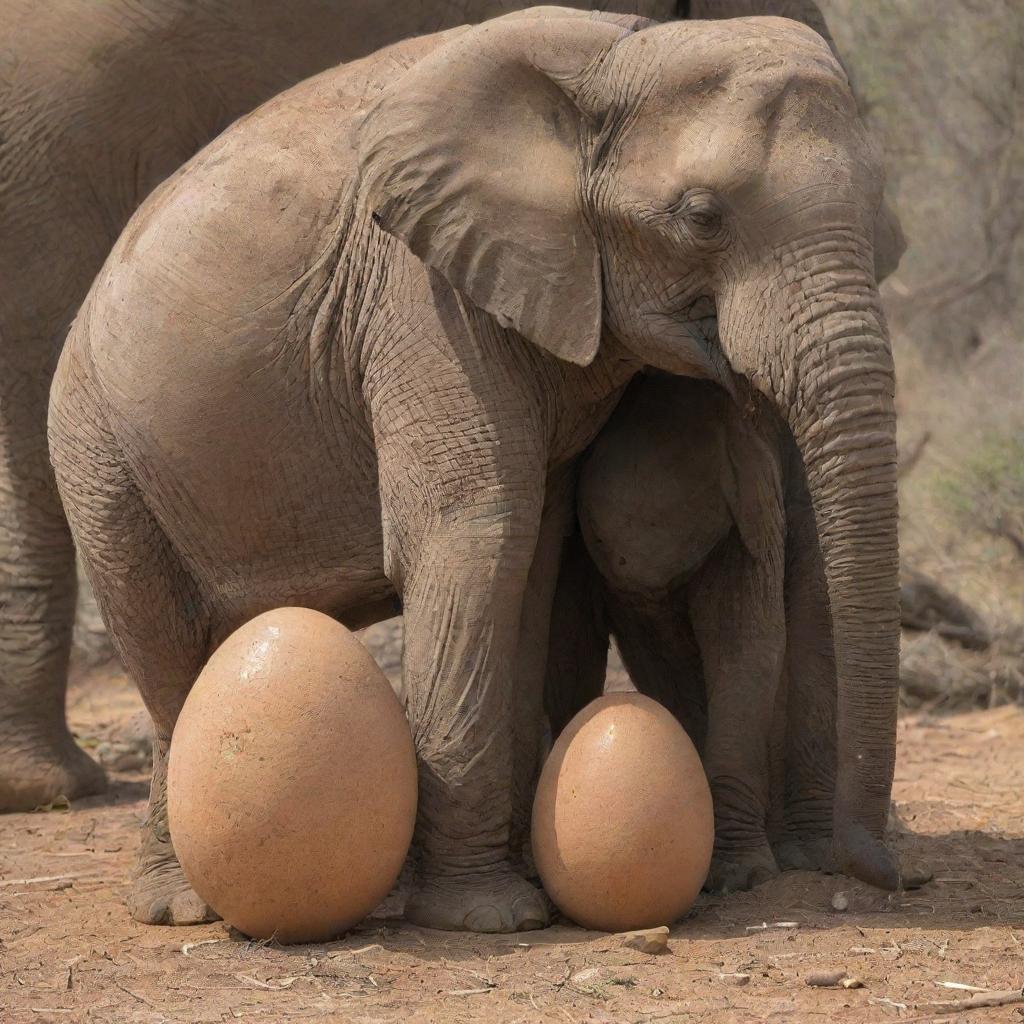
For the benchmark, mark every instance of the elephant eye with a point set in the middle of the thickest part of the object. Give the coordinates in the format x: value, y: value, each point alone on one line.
x: 700, y: 209
x: 705, y: 219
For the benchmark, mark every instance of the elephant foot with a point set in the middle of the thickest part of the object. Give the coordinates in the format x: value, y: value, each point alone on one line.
x: 496, y: 901
x: 798, y: 854
x: 40, y: 767
x: 161, y: 894
x: 913, y: 876
x: 860, y: 855
x: 739, y: 870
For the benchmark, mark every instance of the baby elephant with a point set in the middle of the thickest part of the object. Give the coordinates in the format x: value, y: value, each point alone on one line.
x: 698, y: 550
x: 348, y: 356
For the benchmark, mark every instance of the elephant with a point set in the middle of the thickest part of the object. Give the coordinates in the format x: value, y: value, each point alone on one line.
x: 365, y: 384
x: 696, y: 547
x: 159, y: 87
x: 698, y: 550
x: 127, y: 92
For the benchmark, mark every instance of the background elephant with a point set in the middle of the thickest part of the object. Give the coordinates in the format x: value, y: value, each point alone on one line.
x: 400, y: 356
x: 98, y: 104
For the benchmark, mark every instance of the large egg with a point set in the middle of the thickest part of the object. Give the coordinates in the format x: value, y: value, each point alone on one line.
x: 622, y: 821
x: 292, y: 779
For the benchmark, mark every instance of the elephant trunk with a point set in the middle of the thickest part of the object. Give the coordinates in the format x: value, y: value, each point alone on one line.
x: 844, y: 425
x: 834, y: 383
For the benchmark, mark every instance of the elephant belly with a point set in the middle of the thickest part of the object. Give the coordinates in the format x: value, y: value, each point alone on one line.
x: 273, y: 510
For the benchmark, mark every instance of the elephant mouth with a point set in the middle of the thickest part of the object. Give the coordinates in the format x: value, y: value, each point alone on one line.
x: 689, y: 340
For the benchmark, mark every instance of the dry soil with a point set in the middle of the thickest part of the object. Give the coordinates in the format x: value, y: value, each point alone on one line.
x: 69, y: 951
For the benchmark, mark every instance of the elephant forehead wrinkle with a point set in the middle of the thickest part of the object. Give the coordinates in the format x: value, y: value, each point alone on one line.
x: 663, y: 157
x: 814, y: 195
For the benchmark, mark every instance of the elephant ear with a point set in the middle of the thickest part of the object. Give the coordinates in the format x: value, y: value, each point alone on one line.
x: 473, y: 159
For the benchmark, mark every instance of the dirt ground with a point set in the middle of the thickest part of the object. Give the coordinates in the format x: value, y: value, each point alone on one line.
x: 69, y: 952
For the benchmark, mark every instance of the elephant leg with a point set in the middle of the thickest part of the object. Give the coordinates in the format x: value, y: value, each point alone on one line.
x: 776, y: 803
x: 160, y: 892
x: 39, y: 760
x: 810, y: 757
x: 577, y: 660
x: 736, y: 605
x: 532, y: 658
x: 660, y: 652
x: 157, y: 621
x: 462, y: 604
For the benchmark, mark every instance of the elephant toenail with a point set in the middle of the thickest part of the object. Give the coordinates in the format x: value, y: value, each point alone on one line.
x: 531, y: 923
x: 485, y: 919
x: 528, y: 916
x: 159, y: 913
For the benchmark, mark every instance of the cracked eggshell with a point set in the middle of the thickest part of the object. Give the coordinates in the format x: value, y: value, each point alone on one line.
x: 623, y: 825
x: 291, y: 784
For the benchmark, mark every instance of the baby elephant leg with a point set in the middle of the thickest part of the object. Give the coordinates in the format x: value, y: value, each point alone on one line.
x: 577, y: 660
x: 658, y: 648
x: 737, y: 612
x: 153, y: 611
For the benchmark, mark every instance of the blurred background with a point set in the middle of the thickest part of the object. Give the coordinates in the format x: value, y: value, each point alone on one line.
x: 942, y: 86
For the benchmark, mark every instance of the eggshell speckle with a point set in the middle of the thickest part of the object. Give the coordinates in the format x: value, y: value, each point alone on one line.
x: 623, y: 825
x: 292, y: 779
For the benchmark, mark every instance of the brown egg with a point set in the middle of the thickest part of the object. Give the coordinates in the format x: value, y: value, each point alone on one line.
x: 622, y: 820
x: 291, y: 786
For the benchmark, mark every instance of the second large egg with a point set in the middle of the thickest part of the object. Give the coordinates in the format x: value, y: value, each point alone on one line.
x: 623, y: 826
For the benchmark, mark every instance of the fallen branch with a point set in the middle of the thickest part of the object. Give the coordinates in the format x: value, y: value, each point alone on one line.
x: 38, y: 878
x: 189, y: 946
x: 355, y: 952
x: 135, y: 995
x: 979, y: 1000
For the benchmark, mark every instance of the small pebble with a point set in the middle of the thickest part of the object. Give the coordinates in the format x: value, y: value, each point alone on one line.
x: 840, y: 902
x: 650, y: 940
x: 736, y: 979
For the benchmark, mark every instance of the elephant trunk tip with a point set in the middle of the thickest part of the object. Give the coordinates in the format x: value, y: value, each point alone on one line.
x: 861, y: 855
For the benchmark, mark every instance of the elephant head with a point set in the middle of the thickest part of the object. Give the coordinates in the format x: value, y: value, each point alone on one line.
x: 589, y: 179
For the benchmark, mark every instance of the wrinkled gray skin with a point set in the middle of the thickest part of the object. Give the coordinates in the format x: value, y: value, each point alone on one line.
x: 368, y: 381
x: 698, y: 551
x: 98, y: 104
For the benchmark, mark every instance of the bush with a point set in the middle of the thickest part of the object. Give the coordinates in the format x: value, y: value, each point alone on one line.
x: 986, y: 490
